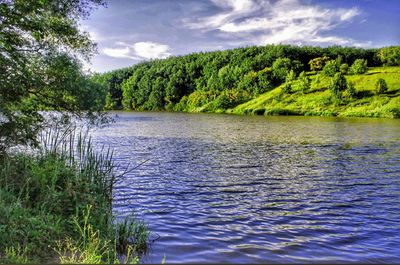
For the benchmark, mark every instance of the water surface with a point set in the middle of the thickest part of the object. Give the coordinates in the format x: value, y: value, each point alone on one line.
x: 225, y: 188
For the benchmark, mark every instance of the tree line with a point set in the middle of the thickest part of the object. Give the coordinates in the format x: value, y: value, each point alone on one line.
x: 224, y: 79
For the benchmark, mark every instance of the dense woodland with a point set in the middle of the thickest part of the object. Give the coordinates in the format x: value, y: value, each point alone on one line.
x: 224, y: 79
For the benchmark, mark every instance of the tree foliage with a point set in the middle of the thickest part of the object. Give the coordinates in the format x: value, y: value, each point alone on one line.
x: 351, y: 90
x: 40, y: 48
x: 389, y: 56
x: 338, y: 85
x: 317, y: 64
x: 344, y: 68
x: 196, y: 80
x: 304, y: 82
x: 332, y: 67
x: 360, y: 66
x: 380, y: 86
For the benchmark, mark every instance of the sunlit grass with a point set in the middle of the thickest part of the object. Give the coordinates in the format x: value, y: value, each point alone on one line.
x: 319, y: 101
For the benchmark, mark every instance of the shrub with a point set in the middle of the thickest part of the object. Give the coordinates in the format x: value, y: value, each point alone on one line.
x: 297, y: 66
x: 380, y: 86
x: 344, y: 68
x: 304, y: 82
x: 287, y: 88
x: 318, y: 63
x: 181, y: 105
x: 228, y: 99
x: 337, y: 85
x: 280, y: 68
x: 331, y: 68
x: 291, y: 76
x: 263, y: 83
x: 360, y: 66
x: 42, y: 197
x: 198, y: 99
x: 351, y: 89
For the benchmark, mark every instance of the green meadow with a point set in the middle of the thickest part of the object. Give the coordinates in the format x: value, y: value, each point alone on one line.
x: 318, y: 101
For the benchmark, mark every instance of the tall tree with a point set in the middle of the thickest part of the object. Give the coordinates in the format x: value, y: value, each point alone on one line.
x: 40, y: 51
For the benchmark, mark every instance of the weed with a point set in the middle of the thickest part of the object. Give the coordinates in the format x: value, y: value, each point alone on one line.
x: 63, y: 193
x: 16, y: 255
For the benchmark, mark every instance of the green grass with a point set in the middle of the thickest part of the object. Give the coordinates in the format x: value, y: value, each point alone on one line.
x: 319, y: 101
x: 56, y: 206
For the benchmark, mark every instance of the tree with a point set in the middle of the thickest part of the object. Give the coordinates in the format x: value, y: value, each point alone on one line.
x: 332, y: 67
x: 351, y: 90
x: 40, y: 47
x: 359, y: 67
x: 304, y: 82
x: 318, y: 63
x: 380, y: 86
x: 344, y: 68
x: 389, y: 55
x: 291, y: 76
x: 250, y: 71
x: 280, y: 68
x: 338, y: 85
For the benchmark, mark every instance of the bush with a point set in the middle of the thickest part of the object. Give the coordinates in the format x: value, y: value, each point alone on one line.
x: 287, y: 88
x: 318, y: 63
x: 228, y: 99
x: 303, y: 82
x: 351, y: 89
x: 263, y: 83
x: 360, y: 66
x: 42, y: 197
x: 291, y: 76
x: 380, y: 86
x: 338, y: 85
x: 198, y: 99
x: 344, y: 68
x: 331, y: 68
x: 281, y: 68
x: 181, y: 105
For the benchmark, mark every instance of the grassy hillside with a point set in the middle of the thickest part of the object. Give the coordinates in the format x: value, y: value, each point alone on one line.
x: 271, y: 79
x: 319, y: 100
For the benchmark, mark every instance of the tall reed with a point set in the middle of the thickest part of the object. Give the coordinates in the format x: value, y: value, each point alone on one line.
x: 61, y: 199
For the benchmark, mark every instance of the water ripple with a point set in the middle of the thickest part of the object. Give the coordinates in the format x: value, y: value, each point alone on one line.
x: 238, y: 189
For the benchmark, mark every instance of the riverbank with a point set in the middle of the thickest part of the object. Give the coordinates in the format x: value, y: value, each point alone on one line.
x: 265, y: 80
x: 317, y: 100
x: 56, y: 206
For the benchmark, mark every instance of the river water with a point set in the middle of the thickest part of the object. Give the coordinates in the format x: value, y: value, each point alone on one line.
x: 238, y: 189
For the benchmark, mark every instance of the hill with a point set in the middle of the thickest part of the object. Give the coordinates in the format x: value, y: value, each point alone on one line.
x: 271, y: 79
x: 319, y: 101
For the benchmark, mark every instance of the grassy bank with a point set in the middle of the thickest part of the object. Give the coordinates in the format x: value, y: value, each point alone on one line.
x: 319, y: 101
x: 55, y: 206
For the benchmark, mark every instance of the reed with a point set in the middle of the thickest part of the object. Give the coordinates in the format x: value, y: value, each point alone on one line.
x: 56, y: 204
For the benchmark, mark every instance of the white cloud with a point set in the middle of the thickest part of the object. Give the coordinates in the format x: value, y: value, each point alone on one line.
x: 233, y: 9
x: 283, y: 21
x: 139, y: 50
x: 149, y: 50
x: 118, y: 52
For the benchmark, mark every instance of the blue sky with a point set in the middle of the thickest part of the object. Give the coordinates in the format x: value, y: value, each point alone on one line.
x: 130, y: 31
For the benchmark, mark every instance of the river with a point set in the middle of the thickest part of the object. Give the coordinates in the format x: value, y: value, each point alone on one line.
x: 253, y: 189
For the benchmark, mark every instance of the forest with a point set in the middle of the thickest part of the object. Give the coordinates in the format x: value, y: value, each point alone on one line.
x: 221, y: 80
